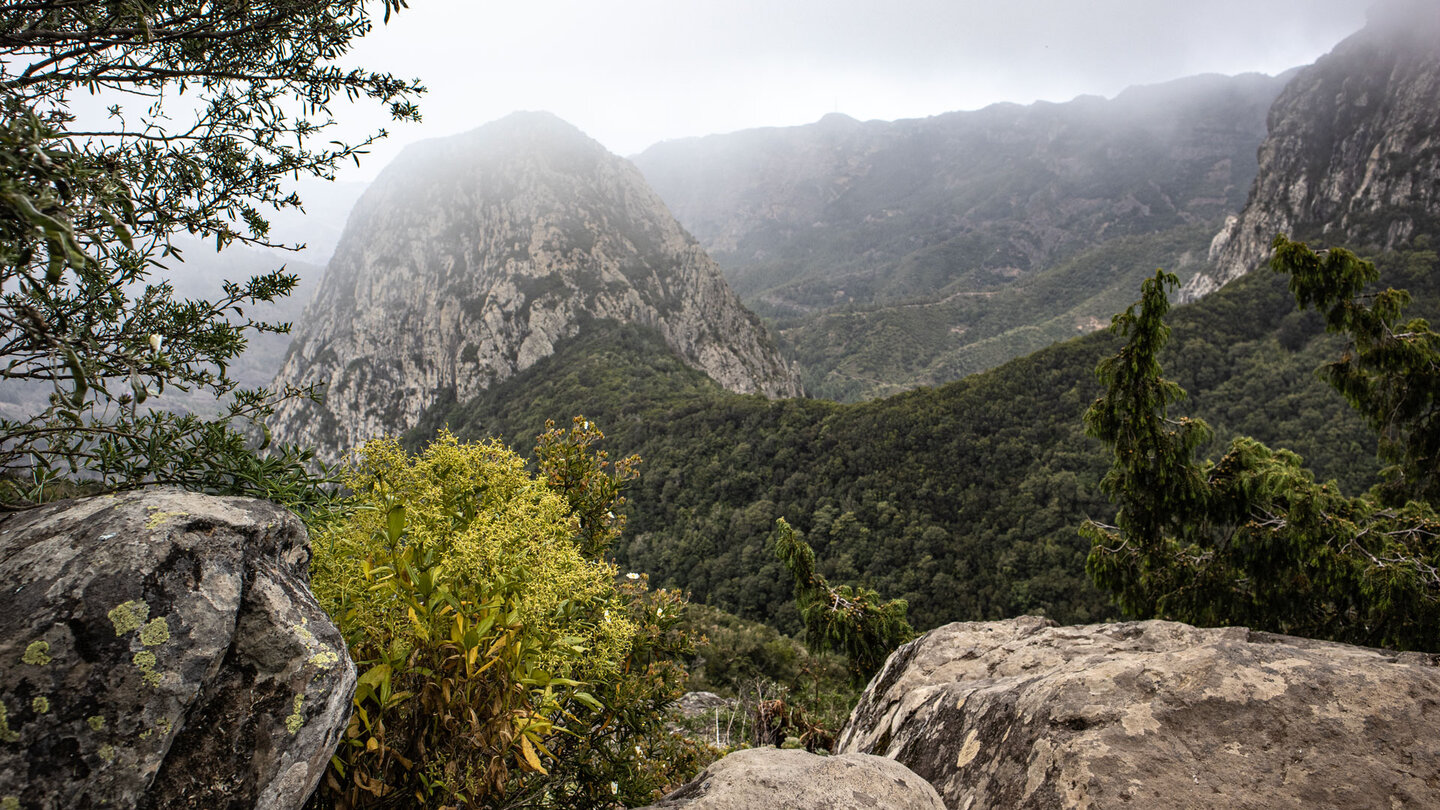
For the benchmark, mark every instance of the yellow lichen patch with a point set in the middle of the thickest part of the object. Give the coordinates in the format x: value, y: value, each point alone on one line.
x: 324, y: 660
x: 163, y: 725
x: 107, y: 752
x: 41, y: 705
x: 128, y: 616
x: 295, y: 721
x: 155, y: 632
x: 303, y: 632
x: 158, y: 518
x: 37, y: 654
x: 10, y: 803
x: 96, y: 722
x: 6, y: 735
x: 145, y: 662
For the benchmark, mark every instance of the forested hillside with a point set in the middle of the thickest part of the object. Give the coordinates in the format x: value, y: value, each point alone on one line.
x: 963, y: 498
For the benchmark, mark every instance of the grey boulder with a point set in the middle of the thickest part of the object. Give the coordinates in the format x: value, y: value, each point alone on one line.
x: 1026, y: 714
x: 797, y: 780
x: 162, y: 649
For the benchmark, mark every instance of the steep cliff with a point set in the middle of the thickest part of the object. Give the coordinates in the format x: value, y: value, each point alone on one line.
x: 1353, y: 152
x: 471, y: 256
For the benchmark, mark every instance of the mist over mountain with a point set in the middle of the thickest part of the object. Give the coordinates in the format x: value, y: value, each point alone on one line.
x: 471, y: 256
x: 959, y: 213
x: 1353, y: 151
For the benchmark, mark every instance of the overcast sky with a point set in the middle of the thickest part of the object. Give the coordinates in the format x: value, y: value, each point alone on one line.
x: 633, y: 72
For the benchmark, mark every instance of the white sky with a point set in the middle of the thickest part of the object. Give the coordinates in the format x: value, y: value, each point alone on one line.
x: 633, y: 72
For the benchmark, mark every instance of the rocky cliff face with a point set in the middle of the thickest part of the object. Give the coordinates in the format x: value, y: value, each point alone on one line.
x: 1353, y: 152
x: 841, y: 212
x: 471, y: 256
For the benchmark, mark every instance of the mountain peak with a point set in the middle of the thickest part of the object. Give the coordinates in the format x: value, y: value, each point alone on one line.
x: 472, y: 256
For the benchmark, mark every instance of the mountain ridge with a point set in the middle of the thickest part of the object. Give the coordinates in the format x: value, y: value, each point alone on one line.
x: 470, y: 256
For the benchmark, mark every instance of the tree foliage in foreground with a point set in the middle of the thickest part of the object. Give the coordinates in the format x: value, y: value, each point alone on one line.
x: 1252, y: 539
x: 213, y: 106
x: 501, y: 665
x: 851, y: 621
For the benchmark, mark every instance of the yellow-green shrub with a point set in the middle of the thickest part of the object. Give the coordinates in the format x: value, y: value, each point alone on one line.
x: 477, y: 624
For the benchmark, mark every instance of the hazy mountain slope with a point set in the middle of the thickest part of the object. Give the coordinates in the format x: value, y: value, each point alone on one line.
x: 471, y: 256
x: 844, y: 216
x: 857, y: 353
x: 1353, y: 152
x: 1010, y: 188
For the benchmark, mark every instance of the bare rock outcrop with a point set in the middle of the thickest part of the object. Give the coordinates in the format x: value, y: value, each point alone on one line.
x: 162, y: 649
x: 1027, y: 714
x: 796, y: 780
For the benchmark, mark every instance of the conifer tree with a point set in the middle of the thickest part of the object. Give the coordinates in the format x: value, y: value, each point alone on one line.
x: 1252, y: 539
x: 852, y: 621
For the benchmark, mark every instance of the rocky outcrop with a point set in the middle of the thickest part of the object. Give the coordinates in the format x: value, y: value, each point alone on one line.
x: 796, y: 780
x: 470, y: 257
x: 1353, y: 152
x: 1027, y: 714
x: 162, y: 649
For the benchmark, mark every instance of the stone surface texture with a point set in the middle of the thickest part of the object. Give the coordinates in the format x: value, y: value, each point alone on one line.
x: 1027, y: 714
x: 470, y: 257
x: 796, y: 780
x: 1353, y: 152
x: 162, y: 649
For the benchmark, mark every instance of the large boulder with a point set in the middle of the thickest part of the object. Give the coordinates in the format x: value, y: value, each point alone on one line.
x: 796, y: 780
x: 1026, y: 714
x: 162, y: 649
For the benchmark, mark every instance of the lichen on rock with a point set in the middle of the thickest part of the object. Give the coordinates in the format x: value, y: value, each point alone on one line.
x: 1025, y: 713
x: 179, y: 651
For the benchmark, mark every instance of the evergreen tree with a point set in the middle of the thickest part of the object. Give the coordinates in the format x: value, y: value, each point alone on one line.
x: 1253, y: 539
x: 854, y: 622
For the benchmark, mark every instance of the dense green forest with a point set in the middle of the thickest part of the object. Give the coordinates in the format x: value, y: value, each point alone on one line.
x: 964, y: 498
